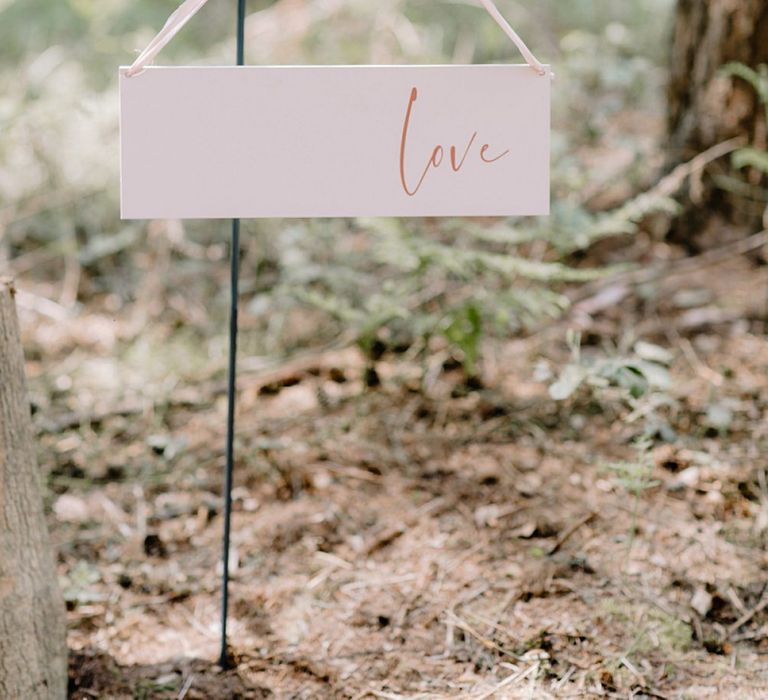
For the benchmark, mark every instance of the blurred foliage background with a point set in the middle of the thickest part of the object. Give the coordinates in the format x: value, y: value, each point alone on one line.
x: 412, y: 284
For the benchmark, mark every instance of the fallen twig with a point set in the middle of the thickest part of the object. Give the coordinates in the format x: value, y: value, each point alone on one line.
x: 677, y: 267
x: 671, y: 183
x: 203, y: 394
x: 464, y: 626
x: 747, y: 616
x: 570, y: 531
x: 389, y: 535
x: 515, y: 677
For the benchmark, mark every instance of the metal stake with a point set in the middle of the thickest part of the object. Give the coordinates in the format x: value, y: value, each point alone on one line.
x: 234, y: 256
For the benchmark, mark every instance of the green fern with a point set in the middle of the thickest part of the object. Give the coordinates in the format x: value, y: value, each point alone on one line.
x: 751, y: 157
x: 758, y: 79
x: 463, y: 280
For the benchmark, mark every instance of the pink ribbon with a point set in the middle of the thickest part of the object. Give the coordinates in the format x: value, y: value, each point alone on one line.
x: 189, y: 8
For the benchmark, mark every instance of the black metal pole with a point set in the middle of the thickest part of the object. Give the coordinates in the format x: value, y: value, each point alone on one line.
x: 234, y: 255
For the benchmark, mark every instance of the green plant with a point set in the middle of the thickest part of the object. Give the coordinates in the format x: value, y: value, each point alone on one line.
x: 649, y: 627
x: 460, y: 281
x: 637, y: 374
x: 450, y: 287
x: 635, y: 476
x: 641, y: 380
x: 750, y: 157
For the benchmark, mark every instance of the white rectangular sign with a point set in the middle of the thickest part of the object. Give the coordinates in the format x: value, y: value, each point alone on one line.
x: 327, y: 141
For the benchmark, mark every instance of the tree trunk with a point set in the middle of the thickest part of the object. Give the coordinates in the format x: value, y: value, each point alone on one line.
x: 33, y: 649
x: 707, y: 107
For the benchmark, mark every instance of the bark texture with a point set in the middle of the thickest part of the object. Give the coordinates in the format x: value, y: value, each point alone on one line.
x: 33, y: 650
x: 707, y: 108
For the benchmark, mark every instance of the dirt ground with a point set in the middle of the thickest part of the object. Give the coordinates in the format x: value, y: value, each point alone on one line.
x: 425, y: 539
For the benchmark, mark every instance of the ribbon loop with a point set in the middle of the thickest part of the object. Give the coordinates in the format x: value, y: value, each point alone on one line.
x: 173, y: 25
x: 189, y: 8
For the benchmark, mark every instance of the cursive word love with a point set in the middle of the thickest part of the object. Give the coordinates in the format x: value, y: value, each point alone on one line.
x: 438, y: 153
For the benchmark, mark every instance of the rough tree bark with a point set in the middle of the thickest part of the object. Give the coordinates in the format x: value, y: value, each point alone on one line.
x: 707, y: 108
x: 33, y: 650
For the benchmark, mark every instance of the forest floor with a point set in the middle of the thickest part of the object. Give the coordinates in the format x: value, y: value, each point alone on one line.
x: 423, y: 538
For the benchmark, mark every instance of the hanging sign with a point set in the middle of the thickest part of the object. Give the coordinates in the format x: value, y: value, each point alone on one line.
x: 328, y: 141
